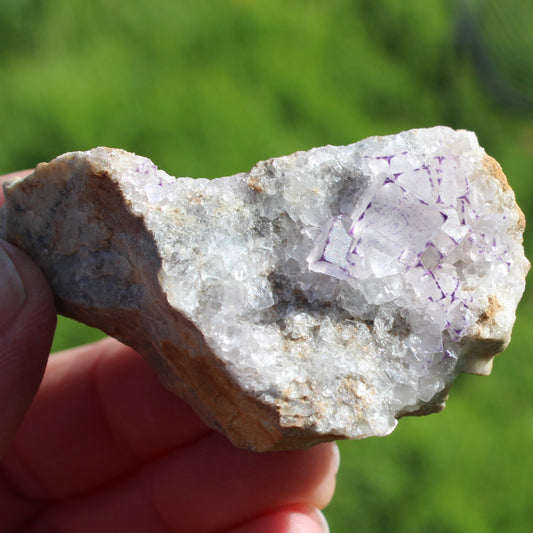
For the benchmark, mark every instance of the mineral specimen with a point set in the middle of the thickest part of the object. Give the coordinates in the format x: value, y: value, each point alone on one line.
x: 321, y: 295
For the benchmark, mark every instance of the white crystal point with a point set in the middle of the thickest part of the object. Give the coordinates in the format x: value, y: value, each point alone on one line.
x: 321, y: 295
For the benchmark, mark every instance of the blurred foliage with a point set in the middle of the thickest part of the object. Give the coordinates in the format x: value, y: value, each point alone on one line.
x: 208, y: 88
x: 500, y: 40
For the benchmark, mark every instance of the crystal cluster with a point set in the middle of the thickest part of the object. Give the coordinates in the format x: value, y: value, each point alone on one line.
x: 320, y: 295
x: 415, y: 234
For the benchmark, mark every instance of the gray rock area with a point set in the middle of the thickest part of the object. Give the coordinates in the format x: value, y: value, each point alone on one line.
x: 322, y: 295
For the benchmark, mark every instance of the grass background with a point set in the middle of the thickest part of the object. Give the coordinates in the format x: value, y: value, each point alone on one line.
x: 207, y: 88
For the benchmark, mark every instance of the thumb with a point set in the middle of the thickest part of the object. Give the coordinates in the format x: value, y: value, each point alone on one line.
x: 27, y: 323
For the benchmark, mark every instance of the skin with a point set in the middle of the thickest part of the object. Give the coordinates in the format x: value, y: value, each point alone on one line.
x: 100, y: 445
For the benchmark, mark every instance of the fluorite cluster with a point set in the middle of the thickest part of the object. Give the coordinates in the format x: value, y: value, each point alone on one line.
x: 321, y: 295
x: 414, y: 238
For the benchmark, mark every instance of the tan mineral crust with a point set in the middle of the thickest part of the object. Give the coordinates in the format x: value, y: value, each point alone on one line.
x: 319, y: 296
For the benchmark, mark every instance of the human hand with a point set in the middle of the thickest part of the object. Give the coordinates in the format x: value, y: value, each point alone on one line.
x: 104, y: 447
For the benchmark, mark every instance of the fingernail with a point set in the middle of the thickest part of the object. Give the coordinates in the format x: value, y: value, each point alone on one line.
x: 322, y: 519
x: 336, y: 457
x: 12, y: 293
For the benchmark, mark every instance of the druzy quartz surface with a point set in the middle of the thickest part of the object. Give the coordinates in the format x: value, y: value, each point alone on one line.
x: 320, y: 295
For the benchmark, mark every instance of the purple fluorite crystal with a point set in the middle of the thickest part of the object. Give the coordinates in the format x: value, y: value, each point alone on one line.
x: 415, y: 233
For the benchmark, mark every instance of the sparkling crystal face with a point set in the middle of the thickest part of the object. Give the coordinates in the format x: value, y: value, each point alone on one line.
x: 412, y: 237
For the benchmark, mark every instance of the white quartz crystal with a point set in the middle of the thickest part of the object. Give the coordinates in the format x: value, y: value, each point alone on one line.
x: 336, y: 289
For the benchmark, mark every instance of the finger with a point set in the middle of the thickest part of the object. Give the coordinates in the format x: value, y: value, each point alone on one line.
x: 27, y: 323
x: 66, y: 446
x: 99, y: 414
x: 291, y: 519
x: 238, y: 484
x: 28, y: 319
x: 206, y: 487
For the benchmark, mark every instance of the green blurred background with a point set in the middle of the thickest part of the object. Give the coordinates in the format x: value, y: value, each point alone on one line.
x: 206, y: 88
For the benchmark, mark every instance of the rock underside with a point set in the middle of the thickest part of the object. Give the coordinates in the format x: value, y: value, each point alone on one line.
x: 320, y: 296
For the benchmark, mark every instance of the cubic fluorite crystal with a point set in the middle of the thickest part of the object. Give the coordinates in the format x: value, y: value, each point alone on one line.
x: 321, y: 295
